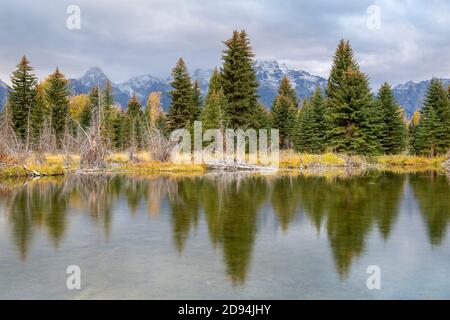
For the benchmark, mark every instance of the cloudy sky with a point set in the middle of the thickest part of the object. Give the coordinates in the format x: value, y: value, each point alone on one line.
x: 409, y: 41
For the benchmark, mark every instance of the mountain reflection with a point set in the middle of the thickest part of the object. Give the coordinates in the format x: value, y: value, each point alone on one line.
x: 345, y: 210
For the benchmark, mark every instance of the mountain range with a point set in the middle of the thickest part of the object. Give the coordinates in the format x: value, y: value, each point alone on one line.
x: 269, y: 74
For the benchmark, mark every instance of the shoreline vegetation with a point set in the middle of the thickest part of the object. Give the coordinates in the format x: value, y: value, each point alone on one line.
x: 45, y: 130
x: 142, y: 163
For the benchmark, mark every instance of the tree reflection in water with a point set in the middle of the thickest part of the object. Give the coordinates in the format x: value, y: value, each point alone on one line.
x: 344, y: 209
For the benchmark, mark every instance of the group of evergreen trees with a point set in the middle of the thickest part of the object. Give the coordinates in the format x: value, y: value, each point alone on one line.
x: 344, y: 117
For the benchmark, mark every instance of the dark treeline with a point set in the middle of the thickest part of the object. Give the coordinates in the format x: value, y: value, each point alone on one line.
x: 346, y: 117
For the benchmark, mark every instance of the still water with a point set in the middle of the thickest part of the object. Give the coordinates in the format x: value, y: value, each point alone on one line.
x: 232, y: 237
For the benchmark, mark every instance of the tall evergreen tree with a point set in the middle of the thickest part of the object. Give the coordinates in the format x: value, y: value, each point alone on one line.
x: 309, y: 130
x: 120, y: 129
x: 354, y: 120
x: 88, y: 110
x: 57, y: 96
x: 197, y: 101
x: 135, y: 123
x: 215, y: 104
x: 284, y: 111
x: 180, y: 109
x: 239, y: 82
x: 39, y: 113
x: 432, y: 135
x: 107, y: 104
x: 394, y: 133
x: 21, y: 98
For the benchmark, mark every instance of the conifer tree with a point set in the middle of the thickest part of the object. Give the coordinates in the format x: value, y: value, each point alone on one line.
x: 87, y: 112
x: 215, y: 104
x: 180, y: 109
x: 120, y: 131
x: 432, y: 135
x: 107, y: 104
x: 284, y: 110
x: 239, y: 82
x: 135, y: 123
x: 57, y: 97
x: 197, y: 101
x: 354, y: 121
x: 39, y: 113
x: 393, y: 135
x: 309, y: 130
x: 21, y: 98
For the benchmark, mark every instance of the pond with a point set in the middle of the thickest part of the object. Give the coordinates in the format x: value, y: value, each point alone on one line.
x: 226, y: 236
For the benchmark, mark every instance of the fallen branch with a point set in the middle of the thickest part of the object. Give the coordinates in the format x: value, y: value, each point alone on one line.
x: 33, y: 173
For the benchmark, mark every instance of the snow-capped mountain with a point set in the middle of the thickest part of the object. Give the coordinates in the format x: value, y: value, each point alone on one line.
x: 269, y: 74
x: 3, y: 94
x: 410, y: 94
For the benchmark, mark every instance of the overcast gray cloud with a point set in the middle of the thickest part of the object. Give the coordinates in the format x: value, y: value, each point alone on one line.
x: 134, y: 37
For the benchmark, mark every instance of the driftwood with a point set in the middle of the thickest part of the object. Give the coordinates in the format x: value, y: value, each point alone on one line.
x: 237, y: 165
x: 34, y: 173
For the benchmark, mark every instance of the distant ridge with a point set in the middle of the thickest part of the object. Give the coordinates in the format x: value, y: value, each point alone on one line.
x: 268, y: 72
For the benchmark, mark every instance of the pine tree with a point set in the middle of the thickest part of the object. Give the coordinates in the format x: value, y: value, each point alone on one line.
x: 87, y: 112
x: 120, y: 124
x: 432, y: 135
x: 107, y: 104
x: 239, y: 82
x: 353, y: 120
x: 215, y: 104
x: 180, y: 109
x: 394, y: 133
x: 39, y: 113
x: 215, y: 82
x: 135, y: 123
x: 309, y: 130
x: 197, y: 101
x: 283, y: 113
x: 57, y: 96
x: 21, y: 98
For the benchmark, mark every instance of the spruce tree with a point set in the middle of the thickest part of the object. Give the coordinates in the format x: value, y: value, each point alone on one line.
x: 135, y: 123
x: 87, y: 112
x: 180, y: 109
x: 309, y: 130
x: 120, y: 124
x: 432, y: 135
x: 239, y: 82
x: 21, y: 98
x: 39, y: 113
x: 283, y: 113
x: 107, y: 104
x: 394, y: 133
x: 197, y: 101
x: 353, y: 120
x: 213, y: 116
x: 57, y: 97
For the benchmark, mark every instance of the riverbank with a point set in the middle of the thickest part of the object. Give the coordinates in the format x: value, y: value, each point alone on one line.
x: 58, y: 164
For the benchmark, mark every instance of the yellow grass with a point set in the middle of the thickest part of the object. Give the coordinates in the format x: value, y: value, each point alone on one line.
x: 292, y: 160
x: 56, y: 164
x: 408, y: 160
